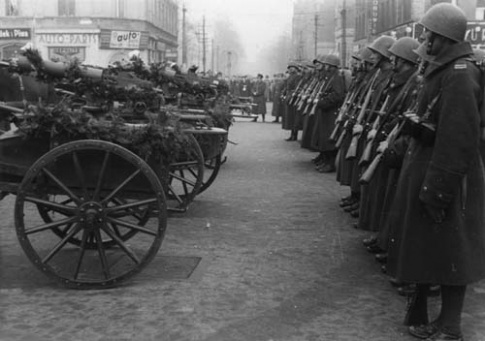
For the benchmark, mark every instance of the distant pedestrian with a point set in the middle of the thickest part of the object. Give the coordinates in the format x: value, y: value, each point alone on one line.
x: 277, y: 110
x: 258, y: 92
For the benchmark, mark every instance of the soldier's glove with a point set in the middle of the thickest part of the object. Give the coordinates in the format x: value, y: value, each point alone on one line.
x: 371, y: 134
x: 357, y: 129
x: 435, y: 213
x: 382, y: 146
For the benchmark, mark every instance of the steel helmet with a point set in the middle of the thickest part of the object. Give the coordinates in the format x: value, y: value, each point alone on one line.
x: 318, y: 59
x: 293, y: 64
x: 404, y: 48
x: 331, y: 59
x: 365, y: 55
x: 446, y: 20
x: 382, y: 44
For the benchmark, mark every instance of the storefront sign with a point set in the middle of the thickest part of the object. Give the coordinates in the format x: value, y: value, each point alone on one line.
x: 67, y: 38
x: 125, y: 40
x: 67, y: 53
x: 14, y: 33
x: 374, y: 16
x: 130, y: 40
x: 475, y: 33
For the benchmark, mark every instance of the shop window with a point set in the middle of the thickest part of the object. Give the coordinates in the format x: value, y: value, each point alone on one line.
x: 11, y: 51
x: 67, y: 8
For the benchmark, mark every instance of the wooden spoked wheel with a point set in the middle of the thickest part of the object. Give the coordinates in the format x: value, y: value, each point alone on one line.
x: 49, y: 215
x: 213, y: 147
x: 102, y: 214
x: 185, y: 176
x: 211, y: 170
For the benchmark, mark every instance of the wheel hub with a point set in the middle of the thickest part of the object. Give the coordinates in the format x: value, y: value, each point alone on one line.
x: 91, y: 214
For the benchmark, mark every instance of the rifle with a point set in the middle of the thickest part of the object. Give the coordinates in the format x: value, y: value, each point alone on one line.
x: 355, y: 106
x: 295, y: 92
x: 371, y: 135
x: 352, y: 151
x: 378, y: 125
x: 308, y: 91
x: 370, y: 171
x: 349, y: 98
x: 394, y: 134
x: 313, y: 101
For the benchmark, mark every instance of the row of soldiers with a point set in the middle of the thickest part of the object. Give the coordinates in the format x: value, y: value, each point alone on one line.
x: 309, y: 98
x: 407, y: 137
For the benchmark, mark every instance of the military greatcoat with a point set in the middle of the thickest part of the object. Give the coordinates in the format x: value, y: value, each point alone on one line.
x: 259, y: 89
x: 446, y: 173
x: 326, y: 112
x: 277, y: 110
x: 289, y: 113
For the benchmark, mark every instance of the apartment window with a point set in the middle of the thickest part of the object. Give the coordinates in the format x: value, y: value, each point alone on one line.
x: 11, y: 8
x: 67, y: 8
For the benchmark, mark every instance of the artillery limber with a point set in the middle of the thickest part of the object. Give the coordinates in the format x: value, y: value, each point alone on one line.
x: 95, y: 174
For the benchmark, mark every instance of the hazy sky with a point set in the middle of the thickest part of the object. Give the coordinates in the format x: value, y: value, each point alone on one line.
x: 257, y: 21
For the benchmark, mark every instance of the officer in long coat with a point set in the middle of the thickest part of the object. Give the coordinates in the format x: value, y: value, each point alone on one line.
x: 258, y: 93
x: 439, y: 208
x: 277, y: 109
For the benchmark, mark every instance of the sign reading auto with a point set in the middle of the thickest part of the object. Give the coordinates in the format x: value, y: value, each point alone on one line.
x: 125, y: 40
x: 475, y: 33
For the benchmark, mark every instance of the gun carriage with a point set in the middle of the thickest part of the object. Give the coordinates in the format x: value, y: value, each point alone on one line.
x: 95, y: 173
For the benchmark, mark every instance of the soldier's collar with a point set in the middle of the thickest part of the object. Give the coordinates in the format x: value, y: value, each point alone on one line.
x: 402, y: 77
x: 448, y: 55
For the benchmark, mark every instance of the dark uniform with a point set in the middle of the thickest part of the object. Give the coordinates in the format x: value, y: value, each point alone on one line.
x: 258, y: 91
x: 328, y: 103
x: 289, y: 113
x: 277, y: 109
x: 439, y: 209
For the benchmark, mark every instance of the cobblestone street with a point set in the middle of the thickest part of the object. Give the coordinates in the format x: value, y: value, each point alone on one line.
x: 265, y: 254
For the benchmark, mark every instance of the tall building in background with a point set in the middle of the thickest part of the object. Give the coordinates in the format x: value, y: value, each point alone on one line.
x: 399, y: 18
x: 313, y: 28
x: 345, y: 30
x: 95, y: 32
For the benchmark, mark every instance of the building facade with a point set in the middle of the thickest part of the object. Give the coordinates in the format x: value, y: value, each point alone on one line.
x: 345, y: 30
x: 94, y: 32
x: 313, y: 28
x: 399, y: 18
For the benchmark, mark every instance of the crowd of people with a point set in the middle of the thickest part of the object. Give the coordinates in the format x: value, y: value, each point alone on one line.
x: 402, y: 130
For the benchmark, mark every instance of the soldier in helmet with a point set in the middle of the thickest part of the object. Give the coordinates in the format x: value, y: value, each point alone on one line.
x: 309, y: 120
x: 258, y: 90
x: 380, y: 56
x: 329, y: 99
x: 401, y: 96
x: 363, y: 75
x: 440, y: 198
x: 289, y: 112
